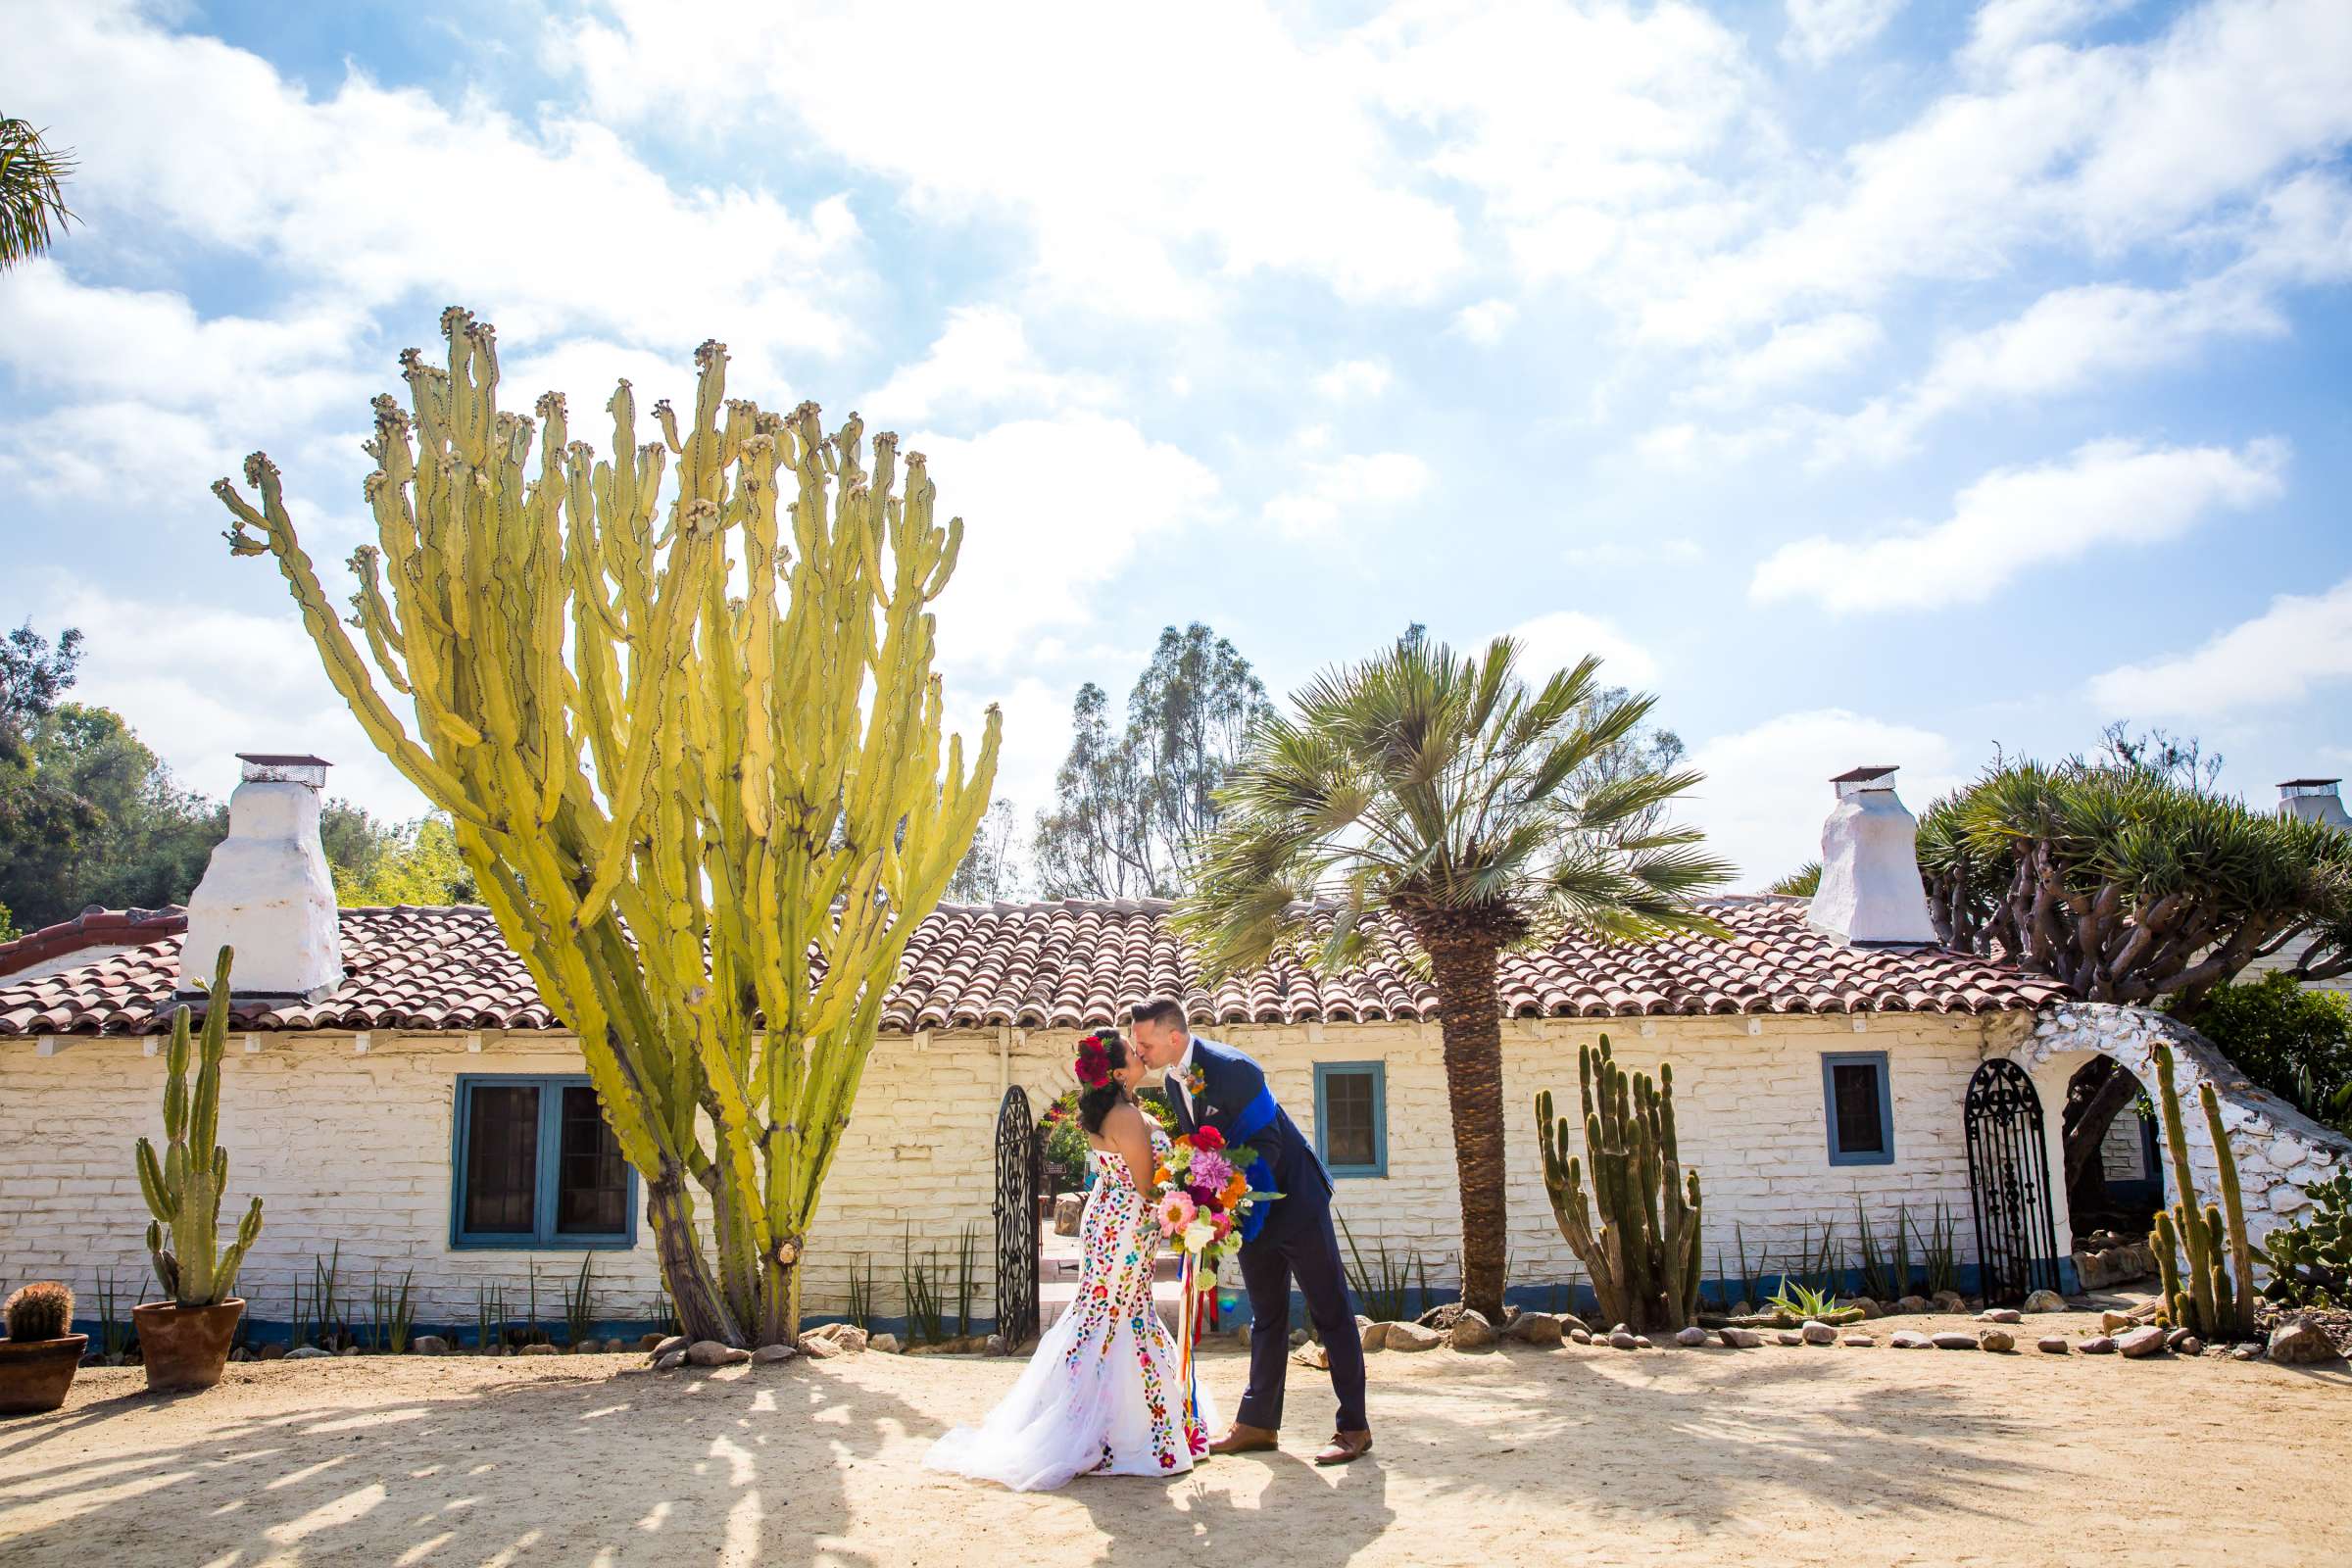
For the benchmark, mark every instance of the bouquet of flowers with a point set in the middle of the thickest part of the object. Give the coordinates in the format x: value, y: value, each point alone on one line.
x: 1204, y: 1195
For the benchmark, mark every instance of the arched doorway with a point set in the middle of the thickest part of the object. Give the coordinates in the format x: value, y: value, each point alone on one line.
x: 2114, y: 1170
x: 2008, y: 1180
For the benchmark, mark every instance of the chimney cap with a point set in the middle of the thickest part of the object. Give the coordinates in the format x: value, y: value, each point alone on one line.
x: 2327, y: 784
x: 1855, y: 780
x: 282, y: 760
x: 1856, y: 776
x: 279, y: 767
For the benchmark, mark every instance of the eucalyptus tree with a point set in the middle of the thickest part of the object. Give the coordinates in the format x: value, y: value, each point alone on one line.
x: 1447, y: 797
x: 692, y: 752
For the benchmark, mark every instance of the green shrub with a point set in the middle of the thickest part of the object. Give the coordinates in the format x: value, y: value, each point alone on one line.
x: 2311, y: 1260
x: 1066, y: 1148
x: 2297, y: 1043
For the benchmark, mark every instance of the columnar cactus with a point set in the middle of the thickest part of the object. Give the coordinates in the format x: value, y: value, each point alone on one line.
x: 688, y: 748
x: 2205, y: 1291
x: 1644, y: 1257
x: 183, y: 1188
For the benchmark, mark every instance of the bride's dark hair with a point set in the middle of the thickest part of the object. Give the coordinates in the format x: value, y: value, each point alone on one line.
x: 1095, y: 1102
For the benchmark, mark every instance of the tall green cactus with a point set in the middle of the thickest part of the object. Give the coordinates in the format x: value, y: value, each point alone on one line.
x: 183, y: 1188
x: 679, y: 703
x: 1644, y: 1257
x: 2207, y: 1291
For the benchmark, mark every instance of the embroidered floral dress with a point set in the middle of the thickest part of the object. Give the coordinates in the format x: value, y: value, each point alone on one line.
x: 1106, y: 1393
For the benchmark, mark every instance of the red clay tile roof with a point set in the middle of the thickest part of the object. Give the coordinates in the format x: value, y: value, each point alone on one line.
x: 93, y: 927
x: 1077, y: 965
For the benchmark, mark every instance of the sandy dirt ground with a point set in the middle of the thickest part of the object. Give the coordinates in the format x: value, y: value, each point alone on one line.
x: 1779, y: 1455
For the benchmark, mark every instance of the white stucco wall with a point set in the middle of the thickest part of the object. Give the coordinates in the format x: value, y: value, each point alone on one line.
x: 355, y: 1147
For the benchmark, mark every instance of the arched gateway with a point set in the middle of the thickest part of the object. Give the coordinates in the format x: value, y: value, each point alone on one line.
x: 2008, y: 1181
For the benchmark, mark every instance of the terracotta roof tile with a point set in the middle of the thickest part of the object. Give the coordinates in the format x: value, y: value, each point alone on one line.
x: 93, y: 927
x: 1074, y: 965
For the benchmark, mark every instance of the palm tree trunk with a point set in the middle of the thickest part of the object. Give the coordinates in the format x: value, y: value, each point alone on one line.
x: 1469, y: 1013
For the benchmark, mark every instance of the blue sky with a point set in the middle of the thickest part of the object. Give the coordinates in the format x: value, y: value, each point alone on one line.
x: 1878, y: 381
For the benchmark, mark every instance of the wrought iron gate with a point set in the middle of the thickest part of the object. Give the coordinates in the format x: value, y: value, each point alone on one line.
x: 2009, y: 1184
x: 1016, y: 1218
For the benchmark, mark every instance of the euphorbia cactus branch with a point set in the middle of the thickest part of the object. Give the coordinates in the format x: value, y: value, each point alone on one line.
x: 687, y: 743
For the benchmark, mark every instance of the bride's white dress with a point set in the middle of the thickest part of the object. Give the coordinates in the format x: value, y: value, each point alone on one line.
x: 1105, y: 1393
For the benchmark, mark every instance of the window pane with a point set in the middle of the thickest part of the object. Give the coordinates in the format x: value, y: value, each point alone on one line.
x: 592, y: 1187
x: 1857, y: 1108
x: 502, y: 1161
x: 1347, y: 1134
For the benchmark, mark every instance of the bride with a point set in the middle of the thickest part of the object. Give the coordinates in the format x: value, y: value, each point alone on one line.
x: 1106, y: 1392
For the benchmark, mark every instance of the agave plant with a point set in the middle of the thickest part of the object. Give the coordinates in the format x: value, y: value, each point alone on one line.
x: 1446, y: 798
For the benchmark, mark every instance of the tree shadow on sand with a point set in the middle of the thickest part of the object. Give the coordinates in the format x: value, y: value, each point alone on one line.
x: 737, y: 1467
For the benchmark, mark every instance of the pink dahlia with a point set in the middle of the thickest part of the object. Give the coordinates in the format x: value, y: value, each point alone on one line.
x: 1208, y: 1169
x: 1176, y: 1210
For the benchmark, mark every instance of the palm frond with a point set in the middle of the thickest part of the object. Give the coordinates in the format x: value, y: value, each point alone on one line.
x: 32, y: 202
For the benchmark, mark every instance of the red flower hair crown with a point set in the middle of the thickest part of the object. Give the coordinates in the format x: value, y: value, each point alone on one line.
x: 1093, y: 1062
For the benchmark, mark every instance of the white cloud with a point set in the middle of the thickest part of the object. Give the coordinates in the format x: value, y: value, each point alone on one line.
x: 1346, y: 484
x: 1487, y: 321
x: 1559, y: 640
x: 2107, y: 492
x: 1052, y: 508
x: 2301, y: 642
x: 1351, y: 379
x: 1147, y: 160
x: 981, y: 359
x: 1797, y: 352
x: 1633, y: 553
x: 1767, y: 792
x: 2001, y: 29
x: 1820, y: 30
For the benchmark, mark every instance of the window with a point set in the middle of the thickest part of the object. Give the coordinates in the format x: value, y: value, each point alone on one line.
x: 1352, y: 1118
x: 1861, y: 1111
x: 536, y: 1166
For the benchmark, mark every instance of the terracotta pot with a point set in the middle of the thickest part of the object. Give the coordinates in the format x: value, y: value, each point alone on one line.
x: 185, y: 1347
x: 34, y: 1374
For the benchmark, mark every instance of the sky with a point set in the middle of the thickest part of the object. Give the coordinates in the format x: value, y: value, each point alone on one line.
x: 1877, y: 382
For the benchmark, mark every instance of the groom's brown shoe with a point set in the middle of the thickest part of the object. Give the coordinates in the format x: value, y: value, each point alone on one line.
x: 1345, y: 1447
x: 1243, y: 1438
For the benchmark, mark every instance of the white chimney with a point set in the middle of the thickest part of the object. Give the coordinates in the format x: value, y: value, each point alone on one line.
x: 1870, y: 893
x: 2312, y: 800
x: 268, y: 891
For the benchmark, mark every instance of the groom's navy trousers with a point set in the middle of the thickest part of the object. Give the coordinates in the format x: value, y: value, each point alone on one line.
x: 1297, y: 1242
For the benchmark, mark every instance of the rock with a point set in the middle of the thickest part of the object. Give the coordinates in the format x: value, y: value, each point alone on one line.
x: 1912, y: 1303
x: 589, y: 1347
x: 1471, y: 1332
x: 661, y: 1348
x: 1740, y: 1339
x: 2173, y: 1339
x: 1953, y: 1340
x: 2045, y: 1302
x: 2246, y: 1353
x: 846, y: 1337
x: 1788, y: 1337
x: 1867, y: 1307
x: 1622, y: 1341
x: 669, y: 1362
x: 649, y: 1342
x: 1536, y: 1328
x: 1641, y: 1342
x: 768, y: 1353
x: 240, y: 1353
x: 1905, y: 1340
x: 816, y: 1349
x: 1298, y: 1337
x: 1363, y: 1325
x: 2097, y: 1345
x: 1442, y: 1318
x: 998, y: 1345
x: 308, y: 1352
x: 2115, y: 1266
x: 1948, y: 1301
x: 430, y: 1345
x: 711, y: 1352
x: 1996, y: 1341
x: 1816, y: 1331
x: 1580, y: 1335
x: 2113, y: 1322
x: 1066, y: 1210
x: 349, y: 1349
x: 2142, y: 1341
x: 885, y: 1344
x: 2300, y: 1341
x: 1375, y: 1335
x: 2001, y: 1314
x: 2193, y: 1345
x: 1621, y: 1328
x: 272, y: 1352
x: 1858, y: 1342
x: 1691, y: 1338
x: 549, y: 1349
x: 1312, y: 1355
x: 1413, y: 1337
x: 2053, y: 1345
x: 1741, y: 1309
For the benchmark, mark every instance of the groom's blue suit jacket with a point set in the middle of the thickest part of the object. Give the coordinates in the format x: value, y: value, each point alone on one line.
x: 1229, y: 1082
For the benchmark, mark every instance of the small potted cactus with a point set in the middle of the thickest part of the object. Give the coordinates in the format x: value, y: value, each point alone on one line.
x: 184, y: 1339
x: 38, y: 1358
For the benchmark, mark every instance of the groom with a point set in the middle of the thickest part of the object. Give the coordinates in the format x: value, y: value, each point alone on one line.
x: 1213, y: 1086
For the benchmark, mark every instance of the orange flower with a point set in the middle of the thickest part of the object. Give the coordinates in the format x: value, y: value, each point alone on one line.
x: 1235, y: 1190
x: 1159, y: 1175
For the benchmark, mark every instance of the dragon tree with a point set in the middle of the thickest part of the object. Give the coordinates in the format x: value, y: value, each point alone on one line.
x: 692, y: 747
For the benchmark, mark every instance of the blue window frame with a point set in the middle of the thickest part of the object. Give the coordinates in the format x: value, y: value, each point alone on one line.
x: 1352, y: 1118
x: 1859, y: 1108
x: 533, y: 1166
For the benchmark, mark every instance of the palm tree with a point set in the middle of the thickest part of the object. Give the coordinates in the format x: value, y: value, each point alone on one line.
x: 32, y: 176
x: 1484, y: 815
